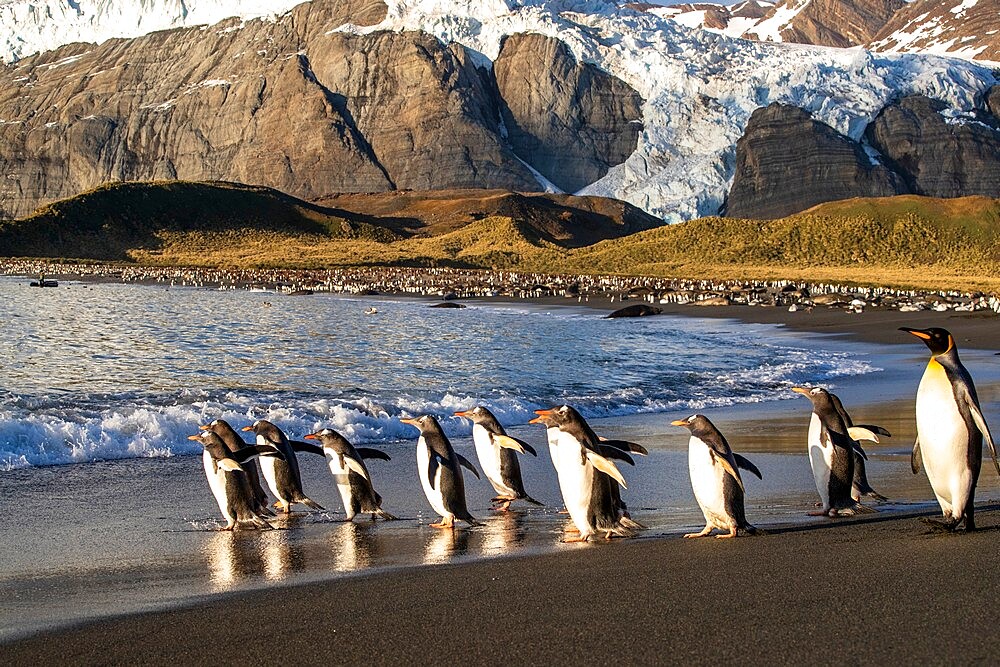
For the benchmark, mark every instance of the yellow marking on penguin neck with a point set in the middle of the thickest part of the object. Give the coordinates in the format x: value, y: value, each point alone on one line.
x: 934, y: 367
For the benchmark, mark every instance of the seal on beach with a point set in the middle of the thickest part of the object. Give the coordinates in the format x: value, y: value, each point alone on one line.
x: 351, y: 475
x: 235, y: 443
x: 715, y: 478
x: 950, y: 430
x: 831, y: 456
x: 438, y: 467
x: 860, y: 486
x: 497, y: 454
x: 585, y: 475
x: 282, y: 475
x: 228, y: 479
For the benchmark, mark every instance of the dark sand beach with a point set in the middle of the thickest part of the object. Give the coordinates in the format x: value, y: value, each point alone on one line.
x: 876, y: 590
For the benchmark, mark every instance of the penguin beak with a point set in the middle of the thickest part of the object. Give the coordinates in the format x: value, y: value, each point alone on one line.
x: 679, y: 422
x: 541, y: 415
x: 310, y: 436
x: 462, y: 413
x: 916, y: 332
x: 194, y: 437
x: 801, y: 390
x: 411, y: 422
x: 247, y: 428
x: 206, y: 428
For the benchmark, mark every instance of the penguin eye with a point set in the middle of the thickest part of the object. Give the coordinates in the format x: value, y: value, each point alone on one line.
x: 691, y: 418
x: 815, y: 390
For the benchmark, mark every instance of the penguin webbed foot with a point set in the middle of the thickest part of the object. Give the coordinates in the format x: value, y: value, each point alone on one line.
x: 726, y: 536
x: 705, y: 531
x: 573, y: 540
x: 945, y: 525
x: 819, y: 513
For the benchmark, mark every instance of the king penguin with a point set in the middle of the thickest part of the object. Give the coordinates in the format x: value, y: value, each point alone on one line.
x: 860, y: 486
x: 579, y: 465
x: 497, y: 457
x: 228, y: 479
x: 715, y: 478
x: 351, y: 474
x: 438, y: 467
x: 831, y: 455
x: 950, y: 430
x: 282, y: 475
x: 234, y: 443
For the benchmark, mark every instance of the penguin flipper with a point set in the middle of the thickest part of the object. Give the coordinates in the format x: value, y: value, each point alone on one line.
x: 306, y: 447
x: 309, y: 502
x: 915, y: 457
x: 229, y: 465
x: 728, y: 467
x: 878, y: 430
x: 862, y: 433
x: 432, y: 466
x: 606, y: 466
x: 860, y: 451
x: 355, y: 466
x: 615, y: 453
x: 370, y: 453
x: 743, y: 462
x: 250, y: 451
x: 468, y: 464
x: 977, y: 417
x: 508, y: 442
x: 626, y: 446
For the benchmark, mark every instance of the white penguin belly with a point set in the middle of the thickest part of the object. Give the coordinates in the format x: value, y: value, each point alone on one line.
x: 267, y: 468
x: 489, y: 459
x: 707, y: 480
x: 820, y: 459
x: 576, y: 479
x: 552, y: 435
x: 216, y: 482
x: 432, y: 491
x: 340, y: 478
x: 944, y: 441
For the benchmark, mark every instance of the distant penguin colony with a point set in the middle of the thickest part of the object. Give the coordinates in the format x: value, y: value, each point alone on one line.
x: 951, y: 432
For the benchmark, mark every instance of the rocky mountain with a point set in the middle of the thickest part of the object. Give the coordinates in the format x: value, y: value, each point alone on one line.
x: 342, y: 96
x: 961, y: 28
x: 787, y: 162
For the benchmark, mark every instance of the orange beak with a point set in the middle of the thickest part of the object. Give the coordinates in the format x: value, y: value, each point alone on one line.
x: 247, y: 428
x: 411, y: 422
x: 679, y: 422
x: 462, y: 413
x: 540, y: 413
x: 801, y: 390
x: 194, y: 437
x: 205, y: 428
x: 311, y: 436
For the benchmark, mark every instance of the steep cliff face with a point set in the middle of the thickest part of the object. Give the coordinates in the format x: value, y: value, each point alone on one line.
x: 569, y: 120
x: 787, y: 162
x: 963, y: 28
x: 940, y: 153
x: 836, y: 22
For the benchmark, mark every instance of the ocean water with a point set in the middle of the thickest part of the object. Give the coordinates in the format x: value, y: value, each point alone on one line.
x: 107, y: 371
x: 106, y: 507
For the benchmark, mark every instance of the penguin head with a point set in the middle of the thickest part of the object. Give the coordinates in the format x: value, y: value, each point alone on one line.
x: 328, y: 438
x: 482, y: 416
x: 557, y: 417
x: 938, y: 340
x: 266, y: 429
x: 211, y: 442
x: 426, y: 423
x: 217, y: 426
x: 819, y: 397
x: 696, y: 424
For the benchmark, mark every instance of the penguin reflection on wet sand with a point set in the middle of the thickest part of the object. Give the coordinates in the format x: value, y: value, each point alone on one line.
x: 950, y: 430
x: 585, y: 475
x: 438, y: 467
x: 234, y: 443
x: 228, y: 480
x: 282, y: 475
x: 497, y: 454
x: 831, y: 456
x: 715, y: 478
x: 351, y: 475
x: 860, y: 486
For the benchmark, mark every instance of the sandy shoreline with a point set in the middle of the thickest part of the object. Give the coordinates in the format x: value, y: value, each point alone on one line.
x: 855, y: 591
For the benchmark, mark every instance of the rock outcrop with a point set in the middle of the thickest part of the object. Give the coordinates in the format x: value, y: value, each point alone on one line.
x: 838, y: 23
x: 956, y: 27
x: 569, y: 120
x: 787, y: 162
x: 290, y: 105
x: 939, y: 152
x: 991, y: 100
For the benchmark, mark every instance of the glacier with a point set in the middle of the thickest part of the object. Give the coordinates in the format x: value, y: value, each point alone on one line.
x: 699, y: 87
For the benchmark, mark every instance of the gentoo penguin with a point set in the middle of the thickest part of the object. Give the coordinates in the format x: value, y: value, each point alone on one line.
x: 351, y: 474
x: 715, y: 478
x: 234, y: 443
x: 831, y: 455
x: 439, y: 472
x: 282, y: 475
x: 228, y: 480
x: 860, y: 486
x: 496, y: 452
x: 950, y: 430
x: 579, y: 463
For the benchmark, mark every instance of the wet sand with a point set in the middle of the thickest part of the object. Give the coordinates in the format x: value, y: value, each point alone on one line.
x: 851, y: 591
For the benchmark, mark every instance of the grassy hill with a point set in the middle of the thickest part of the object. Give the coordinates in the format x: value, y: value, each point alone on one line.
x: 902, y: 241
